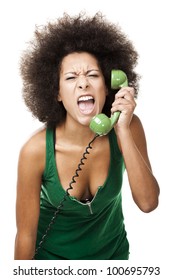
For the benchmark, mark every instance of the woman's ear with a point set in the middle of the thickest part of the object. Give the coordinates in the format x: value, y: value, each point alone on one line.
x: 59, y: 98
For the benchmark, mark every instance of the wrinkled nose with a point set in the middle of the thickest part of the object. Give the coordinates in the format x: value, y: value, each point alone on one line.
x: 83, y: 83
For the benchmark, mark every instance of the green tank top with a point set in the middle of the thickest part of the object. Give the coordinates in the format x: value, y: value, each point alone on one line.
x: 83, y: 231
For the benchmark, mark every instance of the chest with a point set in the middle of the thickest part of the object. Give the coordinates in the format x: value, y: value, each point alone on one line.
x: 86, y: 171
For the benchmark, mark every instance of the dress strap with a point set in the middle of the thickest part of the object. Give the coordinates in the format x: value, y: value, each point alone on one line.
x: 50, y: 148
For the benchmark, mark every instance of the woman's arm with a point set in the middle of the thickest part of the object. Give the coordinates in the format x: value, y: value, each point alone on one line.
x: 144, y: 187
x: 132, y: 142
x: 30, y: 169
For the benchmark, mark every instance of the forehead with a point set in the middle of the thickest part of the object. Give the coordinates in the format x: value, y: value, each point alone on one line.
x: 78, y: 61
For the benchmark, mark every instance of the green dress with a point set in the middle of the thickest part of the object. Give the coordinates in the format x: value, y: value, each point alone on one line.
x: 83, y: 231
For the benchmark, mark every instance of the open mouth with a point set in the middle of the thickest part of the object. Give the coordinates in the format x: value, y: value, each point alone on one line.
x: 86, y: 104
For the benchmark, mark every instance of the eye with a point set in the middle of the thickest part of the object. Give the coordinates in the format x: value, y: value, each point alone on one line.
x: 93, y: 74
x: 70, y: 78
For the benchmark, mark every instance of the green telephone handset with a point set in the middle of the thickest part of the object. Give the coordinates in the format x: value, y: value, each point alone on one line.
x: 101, y: 124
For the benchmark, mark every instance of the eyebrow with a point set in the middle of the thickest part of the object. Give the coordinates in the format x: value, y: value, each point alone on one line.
x: 73, y: 72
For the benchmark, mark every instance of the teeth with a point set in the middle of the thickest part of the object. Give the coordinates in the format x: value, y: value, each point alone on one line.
x: 85, y: 98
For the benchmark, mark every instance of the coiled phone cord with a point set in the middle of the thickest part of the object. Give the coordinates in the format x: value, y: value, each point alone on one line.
x: 61, y: 204
x: 89, y: 147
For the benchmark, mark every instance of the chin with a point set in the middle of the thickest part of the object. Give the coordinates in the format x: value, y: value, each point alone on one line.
x: 85, y: 121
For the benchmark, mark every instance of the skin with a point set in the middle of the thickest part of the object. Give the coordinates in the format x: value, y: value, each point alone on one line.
x: 80, y: 75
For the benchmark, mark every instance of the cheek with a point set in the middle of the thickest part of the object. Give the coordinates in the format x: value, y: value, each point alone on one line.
x: 68, y: 103
x: 102, y: 95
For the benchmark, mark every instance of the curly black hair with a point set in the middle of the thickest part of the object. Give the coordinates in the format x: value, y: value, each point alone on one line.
x: 41, y: 62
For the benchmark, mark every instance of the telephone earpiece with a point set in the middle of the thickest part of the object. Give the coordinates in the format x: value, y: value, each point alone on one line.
x: 101, y: 124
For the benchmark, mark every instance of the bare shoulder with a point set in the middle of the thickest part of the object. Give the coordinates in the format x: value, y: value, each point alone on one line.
x: 137, y: 130
x: 139, y: 137
x: 34, y: 149
x: 136, y: 123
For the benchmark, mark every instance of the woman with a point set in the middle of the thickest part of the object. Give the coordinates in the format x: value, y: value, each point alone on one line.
x: 66, y: 74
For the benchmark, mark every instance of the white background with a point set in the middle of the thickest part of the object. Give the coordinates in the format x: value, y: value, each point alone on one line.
x: 148, y: 23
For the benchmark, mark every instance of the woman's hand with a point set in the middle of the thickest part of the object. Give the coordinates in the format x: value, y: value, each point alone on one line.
x: 125, y: 103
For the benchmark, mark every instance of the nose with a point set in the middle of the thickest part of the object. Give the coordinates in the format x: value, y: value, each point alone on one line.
x: 83, y: 83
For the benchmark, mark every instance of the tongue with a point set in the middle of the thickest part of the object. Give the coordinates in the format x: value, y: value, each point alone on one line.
x: 86, y: 106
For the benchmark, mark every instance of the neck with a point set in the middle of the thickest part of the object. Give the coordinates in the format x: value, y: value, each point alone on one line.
x: 76, y: 133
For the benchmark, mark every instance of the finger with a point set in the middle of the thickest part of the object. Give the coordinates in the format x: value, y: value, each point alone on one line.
x: 128, y: 110
x: 126, y: 92
x: 122, y: 104
x: 128, y: 99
